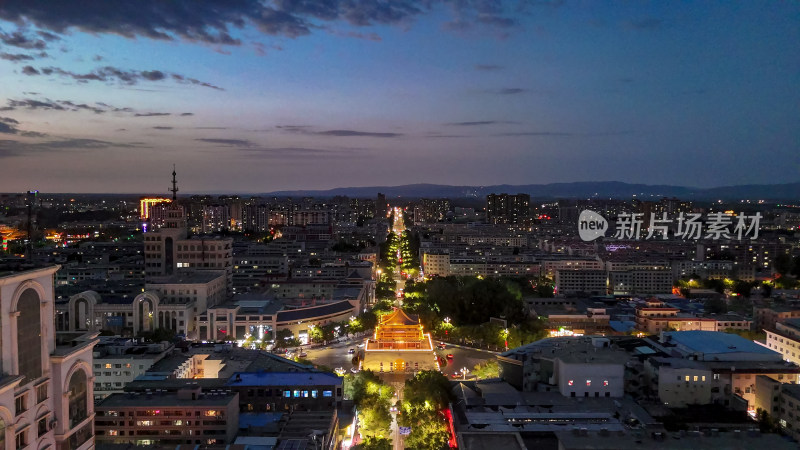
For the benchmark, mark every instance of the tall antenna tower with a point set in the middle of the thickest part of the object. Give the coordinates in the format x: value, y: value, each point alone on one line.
x: 174, y: 189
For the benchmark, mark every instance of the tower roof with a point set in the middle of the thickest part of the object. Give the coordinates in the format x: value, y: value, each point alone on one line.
x: 399, y: 317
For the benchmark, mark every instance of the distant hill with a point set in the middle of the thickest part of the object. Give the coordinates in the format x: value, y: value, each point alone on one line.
x: 599, y: 189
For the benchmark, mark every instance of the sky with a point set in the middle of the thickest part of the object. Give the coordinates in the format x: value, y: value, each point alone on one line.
x: 247, y: 96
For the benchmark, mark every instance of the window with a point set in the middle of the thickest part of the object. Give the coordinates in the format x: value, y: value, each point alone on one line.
x: 296, y: 394
x: 29, y: 340
x: 686, y: 377
x: 78, y: 393
x: 41, y: 393
x: 313, y: 394
x: 695, y: 378
x: 287, y: 394
x: 327, y: 393
x: 22, y: 439
x: 41, y: 426
x: 305, y: 394
x: 108, y: 366
x: 21, y: 404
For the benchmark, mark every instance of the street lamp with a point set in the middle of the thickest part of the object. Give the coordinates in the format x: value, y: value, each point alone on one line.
x: 464, y: 371
x: 504, y: 333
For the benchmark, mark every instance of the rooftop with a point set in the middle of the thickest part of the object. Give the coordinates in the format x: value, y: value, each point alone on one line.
x: 198, y: 277
x: 717, y: 343
x: 166, y: 400
x: 612, y: 440
x: 284, y: 379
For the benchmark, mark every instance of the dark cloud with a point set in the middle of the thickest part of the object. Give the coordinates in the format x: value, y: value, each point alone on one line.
x: 49, y: 37
x: 210, y: 128
x: 16, y: 57
x: 186, y: 114
x: 61, y: 105
x: 355, y: 34
x: 9, y: 148
x: 151, y: 114
x: 479, y: 123
x: 299, y: 152
x: 537, y: 133
x: 293, y: 127
x: 21, y: 40
x: 7, y: 128
x: 97, y: 58
x: 213, y: 23
x: 9, y: 120
x: 348, y: 133
x: 507, y: 91
x: 153, y: 75
x: 162, y: 128
x: 647, y: 23
x: 488, y: 67
x: 109, y: 74
x: 187, y: 80
x: 228, y: 142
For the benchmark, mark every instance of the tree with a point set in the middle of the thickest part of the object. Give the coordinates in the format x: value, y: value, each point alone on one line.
x: 715, y: 306
x: 429, y: 432
x: 743, y: 288
x: 783, y: 264
x: 374, y: 416
x: 487, y: 369
x: 374, y: 443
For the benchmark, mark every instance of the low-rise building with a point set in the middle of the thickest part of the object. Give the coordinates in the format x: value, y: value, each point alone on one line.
x: 570, y: 282
x: 189, y: 416
x: 286, y: 391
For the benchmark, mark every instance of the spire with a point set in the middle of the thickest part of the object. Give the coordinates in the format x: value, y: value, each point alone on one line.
x: 174, y: 189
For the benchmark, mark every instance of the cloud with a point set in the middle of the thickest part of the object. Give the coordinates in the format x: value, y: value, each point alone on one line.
x: 299, y: 152
x: 9, y: 120
x: 508, y: 91
x: 349, y: 133
x: 647, y: 23
x: 228, y: 142
x: 97, y: 58
x: 536, y: 133
x: 355, y: 34
x: 215, y: 23
x: 479, y: 123
x: 21, y: 40
x: 16, y: 57
x: 7, y: 128
x: 9, y: 148
x: 152, y: 114
x: 488, y: 67
x: 186, y: 114
x: 109, y: 74
x: 162, y: 128
x: 61, y: 105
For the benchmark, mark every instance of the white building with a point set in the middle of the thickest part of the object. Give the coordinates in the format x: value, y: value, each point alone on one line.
x: 46, y: 399
x: 569, y: 282
x: 641, y: 282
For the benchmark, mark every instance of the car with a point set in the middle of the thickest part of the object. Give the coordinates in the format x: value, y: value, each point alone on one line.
x: 441, y: 345
x: 393, y: 409
x: 351, y: 351
x: 449, y: 356
x: 361, y: 345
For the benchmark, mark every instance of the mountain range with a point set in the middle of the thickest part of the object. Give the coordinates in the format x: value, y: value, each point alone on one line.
x: 598, y: 189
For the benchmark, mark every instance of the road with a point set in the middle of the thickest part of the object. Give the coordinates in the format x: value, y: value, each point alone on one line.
x: 334, y: 355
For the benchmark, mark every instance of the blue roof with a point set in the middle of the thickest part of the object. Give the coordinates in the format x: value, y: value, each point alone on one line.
x: 622, y: 326
x: 716, y: 342
x: 284, y: 379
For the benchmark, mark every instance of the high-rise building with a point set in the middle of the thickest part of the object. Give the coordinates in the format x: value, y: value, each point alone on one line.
x: 509, y: 209
x: 381, y: 206
x: 46, y: 399
x: 169, y: 248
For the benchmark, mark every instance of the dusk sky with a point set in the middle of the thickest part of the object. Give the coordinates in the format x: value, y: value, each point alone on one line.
x: 251, y: 96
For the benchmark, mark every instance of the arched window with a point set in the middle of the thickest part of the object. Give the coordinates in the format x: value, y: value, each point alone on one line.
x: 2, y: 433
x: 78, y: 410
x: 29, y: 336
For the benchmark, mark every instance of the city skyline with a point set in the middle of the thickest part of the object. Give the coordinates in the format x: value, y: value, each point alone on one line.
x: 246, y: 96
